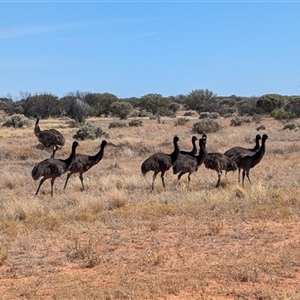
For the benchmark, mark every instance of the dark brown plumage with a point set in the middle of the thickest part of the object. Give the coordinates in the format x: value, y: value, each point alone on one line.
x: 161, y: 162
x: 52, y: 168
x: 50, y: 137
x: 193, y: 152
x: 249, y: 161
x: 238, y: 152
x: 189, y: 164
x: 219, y: 162
x: 82, y: 163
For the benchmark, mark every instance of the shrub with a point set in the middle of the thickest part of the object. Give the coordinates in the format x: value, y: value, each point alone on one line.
x: 117, y: 125
x: 135, y: 123
x: 261, y: 127
x: 16, y: 121
x: 181, y: 121
x: 281, y: 114
x: 88, y: 131
x: 291, y: 125
x: 237, y: 121
x: 188, y: 114
x: 207, y: 126
x: 204, y: 115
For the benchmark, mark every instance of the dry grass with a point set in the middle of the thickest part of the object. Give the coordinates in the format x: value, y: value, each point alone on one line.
x: 119, y: 240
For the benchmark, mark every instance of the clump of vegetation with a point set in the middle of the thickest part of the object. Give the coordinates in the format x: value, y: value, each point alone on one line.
x: 16, y: 121
x: 291, y: 125
x: 181, y: 121
x: 281, y: 114
x: 73, y: 123
x: 135, y: 123
x: 88, y: 132
x: 237, y: 121
x: 209, y: 115
x: 117, y: 125
x: 261, y: 127
x: 188, y: 114
x: 207, y: 126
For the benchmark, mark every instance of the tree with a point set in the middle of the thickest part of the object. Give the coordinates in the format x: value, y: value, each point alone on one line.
x: 154, y: 103
x: 293, y: 105
x: 121, y: 109
x: 270, y: 102
x: 198, y: 99
x: 103, y: 103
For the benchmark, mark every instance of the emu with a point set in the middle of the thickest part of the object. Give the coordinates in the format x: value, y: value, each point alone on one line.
x: 49, y: 137
x: 237, y: 152
x: 82, y: 163
x: 161, y: 162
x: 218, y: 162
x: 53, y: 168
x: 188, y: 164
x: 249, y: 161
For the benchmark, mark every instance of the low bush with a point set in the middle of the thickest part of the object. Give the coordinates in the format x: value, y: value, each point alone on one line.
x: 181, y: 121
x: 117, y: 125
x: 207, y: 126
x: 16, y: 121
x: 88, y: 131
x: 135, y: 123
x: 237, y: 121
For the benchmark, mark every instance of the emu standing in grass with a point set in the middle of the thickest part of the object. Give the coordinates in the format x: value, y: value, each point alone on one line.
x: 193, y: 152
x: 218, y: 162
x: 52, y: 168
x: 50, y: 137
x: 82, y: 163
x: 237, y: 152
x: 249, y: 161
x: 161, y: 162
x: 188, y: 164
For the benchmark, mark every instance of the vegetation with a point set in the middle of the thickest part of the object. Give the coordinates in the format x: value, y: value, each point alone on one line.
x: 88, y: 131
x: 118, y: 240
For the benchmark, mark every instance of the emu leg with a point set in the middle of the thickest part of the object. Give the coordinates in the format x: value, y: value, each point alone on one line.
x: 67, y: 179
x: 153, y: 179
x: 163, y: 179
x: 41, y: 182
x: 81, y: 179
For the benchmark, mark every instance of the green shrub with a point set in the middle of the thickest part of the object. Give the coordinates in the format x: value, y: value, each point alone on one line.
x: 281, y: 114
x: 117, y: 125
x: 135, y: 123
x: 204, y: 115
x: 291, y: 125
x: 16, y: 121
x: 88, y: 131
x: 188, y: 114
x: 181, y: 121
x: 237, y: 121
x: 207, y: 126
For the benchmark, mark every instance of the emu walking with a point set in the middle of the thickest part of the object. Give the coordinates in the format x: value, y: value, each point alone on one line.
x: 161, y: 162
x: 193, y: 152
x: 249, y: 161
x: 238, y: 152
x: 49, y: 137
x: 188, y: 164
x: 82, y: 163
x: 218, y: 162
x: 52, y: 168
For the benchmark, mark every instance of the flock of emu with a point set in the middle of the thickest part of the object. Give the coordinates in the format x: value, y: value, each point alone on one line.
x: 182, y: 162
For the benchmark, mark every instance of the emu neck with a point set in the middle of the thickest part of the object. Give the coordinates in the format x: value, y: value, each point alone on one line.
x: 70, y: 159
x: 202, y: 153
x: 194, y: 150
x: 37, y: 129
x: 174, y: 155
x: 96, y: 158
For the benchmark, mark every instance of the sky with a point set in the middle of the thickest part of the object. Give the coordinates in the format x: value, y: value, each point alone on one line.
x: 134, y: 48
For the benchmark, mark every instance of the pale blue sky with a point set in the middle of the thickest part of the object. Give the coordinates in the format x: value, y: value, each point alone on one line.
x: 132, y: 48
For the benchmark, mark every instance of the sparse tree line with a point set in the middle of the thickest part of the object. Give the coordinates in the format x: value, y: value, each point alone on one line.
x: 81, y: 105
